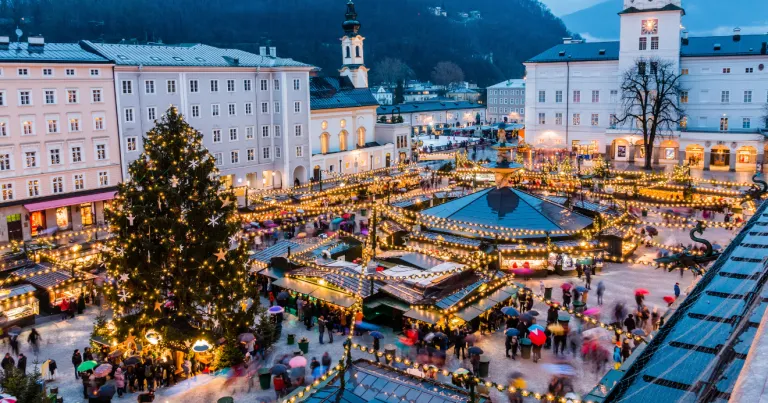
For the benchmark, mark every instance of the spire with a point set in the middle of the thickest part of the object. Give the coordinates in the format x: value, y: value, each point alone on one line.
x: 351, y: 25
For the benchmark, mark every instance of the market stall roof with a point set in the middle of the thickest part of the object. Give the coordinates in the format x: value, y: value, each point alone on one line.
x: 413, y: 259
x: 468, y: 313
x: 43, y: 280
x: 482, y: 305
x: 339, y: 279
x: 424, y: 315
x: 448, y: 238
x: 456, y: 297
x: 11, y: 292
x: 583, y: 204
x: 511, y: 209
x: 316, y: 291
x: 272, y: 272
x: 279, y: 249
x: 390, y: 302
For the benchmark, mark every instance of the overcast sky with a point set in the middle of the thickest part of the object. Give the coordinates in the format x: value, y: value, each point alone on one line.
x: 563, y: 7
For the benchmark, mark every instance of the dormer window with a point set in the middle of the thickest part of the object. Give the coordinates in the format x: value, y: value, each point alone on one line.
x: 600, y: 52
x: 178, y: 59
x: 155, y: 58
x: 561, y: 53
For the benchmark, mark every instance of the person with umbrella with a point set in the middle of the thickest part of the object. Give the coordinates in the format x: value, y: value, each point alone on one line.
x: 34, y: 340
x: 474, y: 359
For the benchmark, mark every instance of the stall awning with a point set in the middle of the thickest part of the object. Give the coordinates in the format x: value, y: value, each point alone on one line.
x: 316, y: 291
x: 390, y: 302
x: 503, y: 294
x: 69, y: 201
x: 468, y: 313
x: 430, y: 317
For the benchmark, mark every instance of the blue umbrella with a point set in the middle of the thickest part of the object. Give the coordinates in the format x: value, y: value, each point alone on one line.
x: 274, y: 310
x: 336, y: 220
x: 377, y: 334
x: 511, y: 332
x: 581, y: 289
x: 475, y: 350
x: 511, y: 311
x: 535, y: 326
x: 563, y: 317
x: 716, y: 247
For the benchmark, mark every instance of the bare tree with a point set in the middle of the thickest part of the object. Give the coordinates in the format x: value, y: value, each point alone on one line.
x: 391, y: 71
x: 447, y: 73
x: 765, y: 116
x: 650, y: 95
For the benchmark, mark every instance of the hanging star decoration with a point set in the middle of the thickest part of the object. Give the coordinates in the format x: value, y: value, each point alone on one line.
x: 215, y: 323
x: 159, y: 205
x: 158, y: 305
x: 124, y: 277
x: 130, y: 219
x: 184, y: 212
x: 234, y: 238
x: 120, y: 251
x: 221, y: 255
x: 194, y: 164
x: 174, y: 181
x: 226, y: 202
x: 123, y: 295
x: 214, y: 220
x: 244, y: 305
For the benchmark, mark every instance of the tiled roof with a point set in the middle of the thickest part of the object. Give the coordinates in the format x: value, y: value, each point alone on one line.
x: 747, y: 45
x: 338, y: 92
x: 45, y: 280
x: 277, y: 250
x: 185, y: 55
x: 50, y: 52
x: 16, y: 291
x: 578, y: 52
x: 691, y: 349
x: 428, y: 106
x: 668, y: 7
x: 514, y: 83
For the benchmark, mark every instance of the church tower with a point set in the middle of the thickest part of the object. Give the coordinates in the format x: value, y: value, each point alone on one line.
x: 353, y: 63
x: 650, y: 29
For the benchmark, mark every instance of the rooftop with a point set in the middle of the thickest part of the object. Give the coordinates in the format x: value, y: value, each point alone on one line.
x: 338, y: 92
x: 49, y: 52
x: 513, y: 83
x: 428, y: 106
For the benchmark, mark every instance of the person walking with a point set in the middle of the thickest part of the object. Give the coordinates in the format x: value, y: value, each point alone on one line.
x: 629, y: 323
x: 329, y: 328
x: 460, y: 345
x: 677, y: 290
x: 567, y: 299
x: 376, y: 346
x: 22, y: 364
x: 15, y: 345
x: 321, y: 328
x: 120, y: 382
x: 7, y: 363
x: 77, y: 359
x: 588, y: 276
x: 510, y: 344
x: 600, y: 292
x: 34, y: 339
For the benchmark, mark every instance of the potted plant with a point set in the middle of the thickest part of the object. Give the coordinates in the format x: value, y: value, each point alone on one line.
x: 304, y: 345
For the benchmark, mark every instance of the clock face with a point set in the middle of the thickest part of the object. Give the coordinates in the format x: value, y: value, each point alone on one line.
x: 650, y: 27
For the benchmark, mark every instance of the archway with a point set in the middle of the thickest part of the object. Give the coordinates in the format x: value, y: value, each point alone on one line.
x: 720, y: 156
x: 299, y: 175
x: 669, y: 150
x: 325, y: 139
x: 621, y: 149
x: 388, y: 160
x: 640, y: 151
x: 361, y: 137
x: 694, y: 155
x: 746, y: 155
x: 343, y: 140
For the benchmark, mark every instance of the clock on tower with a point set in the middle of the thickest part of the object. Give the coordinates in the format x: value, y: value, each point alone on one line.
x: 649, y: 27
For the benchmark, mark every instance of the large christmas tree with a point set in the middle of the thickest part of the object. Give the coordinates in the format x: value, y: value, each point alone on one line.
x: 177, y: 263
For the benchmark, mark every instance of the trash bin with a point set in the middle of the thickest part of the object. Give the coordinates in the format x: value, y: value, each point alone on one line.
x: 265, y: 378
x: 645, y: 213
x: 579, y: 306
x: 291, y: 339
x: 390, y: 350
x: 485, y: 363
x: 548, y: 293
x: 304, y: 346
x: 525, y: 348
x: 226, y: 399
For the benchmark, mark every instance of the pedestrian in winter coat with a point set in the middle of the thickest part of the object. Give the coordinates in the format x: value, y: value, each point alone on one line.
x: 77, y: 359
x: 329, y: 328
x: 7, y: 363
x: 588, y: 277
x: 271, y: 299
x: 567, y: 299
x: 326, y: 360
x: 120, y: 382
x: 511, y: 344
x: 677, y: 290
x: 626, y: 351
x: 87, y: 354
x: 321, y: 327
x: 15, y: 345
x: 33, y: 339
x: 629, y: 323
x: 22, y: 364
x: 600, y: 292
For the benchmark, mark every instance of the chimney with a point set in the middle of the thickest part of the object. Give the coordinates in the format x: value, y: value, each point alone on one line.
x: 262, y: 50
x: 5, y: 40
x: 235, y: 61
x: 273, y: 51
x: 736, y: 34
x: 36, y: 40
x: 684, y: 40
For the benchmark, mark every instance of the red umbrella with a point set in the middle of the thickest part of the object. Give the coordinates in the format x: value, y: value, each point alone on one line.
x: 592, y: 311
x: 642, y: 291
x: 566, y: 286
x: 537, y: 337
x: 522, y: 272
x: 669, y: 299
x: 346, y: 216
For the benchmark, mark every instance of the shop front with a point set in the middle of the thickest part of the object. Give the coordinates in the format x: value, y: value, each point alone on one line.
x: 18, y: 306
x: 55, y: 286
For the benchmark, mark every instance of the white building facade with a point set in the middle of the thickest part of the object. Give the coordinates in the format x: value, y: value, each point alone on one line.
x: 506, y: 101
x: 422, y: 117
x: 383, y: 95
x: 573, y: 92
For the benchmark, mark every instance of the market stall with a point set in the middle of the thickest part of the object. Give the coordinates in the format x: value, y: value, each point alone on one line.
x: 18, y: 306
x: 54, y: 285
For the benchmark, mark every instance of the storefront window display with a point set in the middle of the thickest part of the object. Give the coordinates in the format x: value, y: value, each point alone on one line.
x: 37, y: 222
x: 63, y: 218
x: 86, y: 213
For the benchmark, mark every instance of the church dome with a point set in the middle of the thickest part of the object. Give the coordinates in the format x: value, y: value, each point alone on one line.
x: 351, y: 25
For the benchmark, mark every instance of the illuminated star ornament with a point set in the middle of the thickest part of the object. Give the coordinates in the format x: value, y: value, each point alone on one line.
x: 158, y: 305
x: 215, y: 323
x: 214, y: 220
x: 124, y: 277
x: 234, y: 238
x: 226, y: 202
x: 194, y: 164
x: 221, y: 255
x: 120, y: 251
x: 130, y: 219
x: 174, y: 181
x: 123, y: 295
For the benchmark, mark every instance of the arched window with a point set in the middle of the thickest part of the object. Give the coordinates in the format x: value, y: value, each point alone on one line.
x: 324, y: 140
x: 348, y: 52
x: 343, y: 140
x: 361, y: 137
x: 357, y: 51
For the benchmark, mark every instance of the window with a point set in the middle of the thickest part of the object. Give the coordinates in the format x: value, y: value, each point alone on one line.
x: 641, y: 68
x: 264, y: 107
x: 265, y: 153
x: 101, y: 152
x: 72, y: 96
x: 747, y: 97
x: 297, y: 107
x: 277, y: 85
x: 50, y: 97
x: 33, y: 188
x: 128, y: 114
x: 542, y: 96
x: 217, y: 135
x: 130, y: 144
x: 249, y: 132
x: 127, y: 87
x: 542, y: 118
x: 195, y: 111
x: 215, y: 110
x: 559, y: 118
x: 726, y: 70
x: 278, y: 152
x: 683, y: 72
x: 297, y: 130
x: 23, y: 72
x: 96, y: 95
x: 98, y: 123
x: 643, y: 44
x: 214, y: 85
x: 79, y: 180
x: 53, y: 125
x: 264, y: 131
x: 683, y: 97
x: 725, y: 97
x: 232, y: 109
x: 30, y: 159
x: 654, y: 67
x: 723, y: 124
x: 558, y: 97
x: 613, y: 120
x: 217, y: 158
x: 103, y: 178
x: 193, y: 86
x: 233, y: 134
x: 5, y: 162
x: 77, y: 155
x: 576, y: 96
x: 74, y: 124
x: 171, y: 86
x: 149, y: 86
x: 595, y: 97
x: 95, y: 72
x: 70, y: 72
x: 28, y: 128
x: 277, y: 107
x: 654, y: 43
x: 749, y: 70
x: 25, y: 98
x: 230, y: 85
x: 576, y: 119
x: 234, y: 157
x: 57, y: 184
x: 2, y: 98
x: 595, y: 119
x: 47, y: 72
x: 296, y: 84
x: 246, y: 85
x: 7, y: 189
x: 264, y: 85
x: 299, y: 151
x: 277, y: 131
x: 250, y: 154
x: 746, y: 123
x: 151, y: 113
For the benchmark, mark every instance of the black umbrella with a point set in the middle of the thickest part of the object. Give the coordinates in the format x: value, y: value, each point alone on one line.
x: 526, y: 317
x: 132, y: 360
x: 298, y: 372
x: 107, y: 390
x: 279, y: 369
x: 475, y: 350
x: 533, y: 313
x: 282, y: 295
